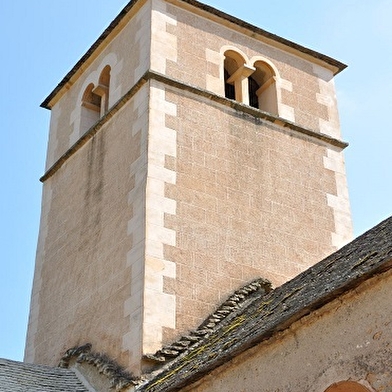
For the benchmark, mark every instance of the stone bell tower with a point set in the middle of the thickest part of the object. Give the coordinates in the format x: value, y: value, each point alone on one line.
x: 189, y: 152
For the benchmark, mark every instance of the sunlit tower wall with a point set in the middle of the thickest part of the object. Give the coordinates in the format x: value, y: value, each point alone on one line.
x: 189, y: 152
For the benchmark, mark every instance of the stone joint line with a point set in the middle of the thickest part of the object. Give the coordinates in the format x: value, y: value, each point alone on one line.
x: 154, y: 76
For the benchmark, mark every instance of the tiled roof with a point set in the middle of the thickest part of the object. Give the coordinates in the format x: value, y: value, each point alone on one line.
x: 267, y: 314
x: 240, y: 299
x: 118, y: 377
x: 26, y: 377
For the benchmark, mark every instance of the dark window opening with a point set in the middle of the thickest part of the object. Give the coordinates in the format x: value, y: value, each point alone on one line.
x: 229, y: 88
x: 253, y: 98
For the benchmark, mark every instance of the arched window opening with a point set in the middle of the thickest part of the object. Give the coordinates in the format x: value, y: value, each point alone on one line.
x: 253, y: 87
x: 232, y: 63
x: 347, y: 386
x: 262, y: 88
x: 103, y: 89
x: 95, y: 100
x: 91, y: 107
x: 236, y: 72
x: 229, y: 88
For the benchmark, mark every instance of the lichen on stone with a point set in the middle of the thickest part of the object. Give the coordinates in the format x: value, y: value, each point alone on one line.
x: 228, y: 307
x: 118, y: 377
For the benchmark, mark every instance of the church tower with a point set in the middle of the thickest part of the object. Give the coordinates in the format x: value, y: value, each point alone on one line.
x: 189, y: 153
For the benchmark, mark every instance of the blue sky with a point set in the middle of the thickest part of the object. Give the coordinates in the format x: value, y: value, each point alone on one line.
x: 41, y: 40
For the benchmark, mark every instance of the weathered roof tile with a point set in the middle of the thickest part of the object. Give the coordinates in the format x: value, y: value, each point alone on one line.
x: 365, y: 257
x: 26, y: 377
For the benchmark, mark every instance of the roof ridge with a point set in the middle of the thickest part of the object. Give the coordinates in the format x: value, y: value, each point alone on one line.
x: 33, y: 377
x: 239, y: 299
x: 118, y: 377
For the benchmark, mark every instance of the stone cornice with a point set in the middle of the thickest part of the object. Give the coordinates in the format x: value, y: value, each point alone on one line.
x: 239, y: 107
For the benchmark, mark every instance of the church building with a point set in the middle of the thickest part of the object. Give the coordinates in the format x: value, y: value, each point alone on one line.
x: 195, y: 227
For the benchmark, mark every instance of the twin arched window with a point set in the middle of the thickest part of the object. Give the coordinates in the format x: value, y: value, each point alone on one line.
x: 252, y: 85
x: 95, y: 100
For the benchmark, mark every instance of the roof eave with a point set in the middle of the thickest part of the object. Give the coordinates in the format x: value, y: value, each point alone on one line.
x: 46, y: 104
x: 334, y: 65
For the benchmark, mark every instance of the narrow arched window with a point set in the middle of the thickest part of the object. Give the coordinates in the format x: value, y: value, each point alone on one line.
x: 347, y: 386
x: 229, y: 88
x: 236, y: 72
x: 102, y: 89
x: 91, y: 108
x: 233, y: 62
x: 253, y: 88
x: 95, y: 100
x: 262, y: 88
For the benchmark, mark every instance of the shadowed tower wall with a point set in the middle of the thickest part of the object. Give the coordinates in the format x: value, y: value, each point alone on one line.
x: 162, y: 195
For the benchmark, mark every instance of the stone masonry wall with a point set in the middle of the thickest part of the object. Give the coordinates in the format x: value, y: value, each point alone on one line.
x: 91, y: 244
x: 89, y: 249
x: 251, y: 200
x: 306, y: 91
x: 248, y: 198
x: 128, y: 55
x: 178, y: 200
